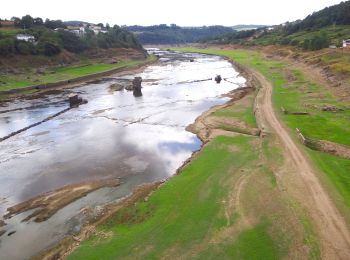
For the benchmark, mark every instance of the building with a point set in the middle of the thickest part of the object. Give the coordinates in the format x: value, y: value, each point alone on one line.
x: 79, y: 32
x: 25, y: 37
x: 346, y: 43
x: 97, y: 29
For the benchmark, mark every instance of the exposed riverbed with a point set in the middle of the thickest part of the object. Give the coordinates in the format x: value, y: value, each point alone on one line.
x: 115, y: 135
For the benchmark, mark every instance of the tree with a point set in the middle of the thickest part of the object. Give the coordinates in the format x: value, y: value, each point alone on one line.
x: 317, y: 42
x: 27, y: 21
x: 53, y: 24
x: 7, y: 46
x: 17, y: 21
x: 71, y: 42
x: 38, y: 21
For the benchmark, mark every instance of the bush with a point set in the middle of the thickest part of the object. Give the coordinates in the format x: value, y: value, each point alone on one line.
x: 317, y: 42
x: 7, y: 46
x: 51, y: 49
x: 25, y: 47
x: 71, y: 42
x: 285, y: 41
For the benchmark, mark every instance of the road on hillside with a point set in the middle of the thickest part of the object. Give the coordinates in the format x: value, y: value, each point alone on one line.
x: 330, y: 224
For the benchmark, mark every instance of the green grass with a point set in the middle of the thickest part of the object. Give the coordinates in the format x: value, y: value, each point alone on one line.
x: 243, y: 111
x: 30, y: 78
x: 336, y: 33
x: 185, y: 212
x: 254, y: 243
x: 303, y: 95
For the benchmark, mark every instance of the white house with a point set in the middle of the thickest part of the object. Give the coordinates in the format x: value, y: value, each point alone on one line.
x: 25, y: 37
x: 346, y: 43
x: 97, y: 29
x: 79, y: 32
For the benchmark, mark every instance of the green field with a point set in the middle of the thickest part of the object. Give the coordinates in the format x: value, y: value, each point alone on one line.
x: 31, y: 78
x: 188, y: 217
x: 301, y: 94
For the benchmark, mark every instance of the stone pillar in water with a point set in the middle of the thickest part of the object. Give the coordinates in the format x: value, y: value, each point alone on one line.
x: 218, y: 79
x: 136, y: 83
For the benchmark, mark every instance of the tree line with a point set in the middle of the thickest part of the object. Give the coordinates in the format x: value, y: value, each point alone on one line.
x: 51, y: 42
x: 172, y: 34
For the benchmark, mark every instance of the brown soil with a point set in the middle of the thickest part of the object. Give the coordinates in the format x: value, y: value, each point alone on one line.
x: 16, y: 63
x: 337, y: 83
x: 207, y: 127
x: 49, y: 203
x: 69, y: 243
x: 334, y: 149
x: 332, y: 229
x: 2, y: 223
x: 2, y: 232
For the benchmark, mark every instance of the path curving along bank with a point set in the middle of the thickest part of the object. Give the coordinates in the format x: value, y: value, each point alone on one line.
x: 332, y: 228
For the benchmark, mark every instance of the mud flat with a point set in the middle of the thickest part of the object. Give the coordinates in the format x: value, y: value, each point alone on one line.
x: 49, y: 203
x: 69, y: 243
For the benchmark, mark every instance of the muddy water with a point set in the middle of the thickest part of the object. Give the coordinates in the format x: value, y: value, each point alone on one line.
x: 115, y: 135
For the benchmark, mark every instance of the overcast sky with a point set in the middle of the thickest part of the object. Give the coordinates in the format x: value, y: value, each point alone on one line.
x: 180, y: 12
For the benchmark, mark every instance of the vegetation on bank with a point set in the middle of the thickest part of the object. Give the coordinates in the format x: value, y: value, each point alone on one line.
x: 30, y: 78
x: 296, y: 92
x: 173, y: 34
x: 51, y: 37
x: 321, y: 29
x: 224, y: 204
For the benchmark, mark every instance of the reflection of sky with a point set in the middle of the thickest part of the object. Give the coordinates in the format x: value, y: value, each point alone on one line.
x: 115, y: 134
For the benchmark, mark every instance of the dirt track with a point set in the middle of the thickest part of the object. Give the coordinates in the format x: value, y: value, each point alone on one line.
x: 331, y: 227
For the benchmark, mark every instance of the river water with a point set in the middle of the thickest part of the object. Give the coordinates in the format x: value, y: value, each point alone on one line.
x: 139, y: 139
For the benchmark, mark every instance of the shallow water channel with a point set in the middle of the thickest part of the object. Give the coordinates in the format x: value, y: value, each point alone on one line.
x: 139, y: 139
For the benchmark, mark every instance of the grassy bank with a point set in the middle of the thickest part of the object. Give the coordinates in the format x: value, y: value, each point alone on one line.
x: 225, y: 204
x: 296, y: 92
x: 30, y: 77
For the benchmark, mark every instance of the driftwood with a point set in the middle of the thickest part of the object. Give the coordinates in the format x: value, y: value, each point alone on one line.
x: 286, y: 112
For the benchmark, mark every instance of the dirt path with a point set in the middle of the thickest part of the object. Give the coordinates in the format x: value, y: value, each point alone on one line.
x: 333, y: 231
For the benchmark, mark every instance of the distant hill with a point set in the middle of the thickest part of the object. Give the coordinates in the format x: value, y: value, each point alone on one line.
x: 318, y: 30
x: 164, y: 34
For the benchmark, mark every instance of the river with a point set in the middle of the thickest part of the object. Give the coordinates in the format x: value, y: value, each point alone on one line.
x: 138, y: 139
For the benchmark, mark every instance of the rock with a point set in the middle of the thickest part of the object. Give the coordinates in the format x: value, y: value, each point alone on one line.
x: 331, y: 108
x: 111, y: 61
x: 129, y: 88
x: 40, y: 70
x: 136, y: 84
x: 75, y: 100
x: 191, y: 60
x: 2, y: 232
x: 11, y: 233
x: 218, y: 79
x: 2, y: 223
x: 116, y: 87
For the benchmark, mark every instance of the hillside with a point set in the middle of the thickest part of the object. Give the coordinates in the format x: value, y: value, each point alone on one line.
x: 33, y: 36
x: 34, y: 52
x: 329, y: 26
x: 173, y: 34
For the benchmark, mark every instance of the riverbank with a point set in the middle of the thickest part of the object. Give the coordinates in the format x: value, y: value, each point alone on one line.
x: 216, y: 206
x: 71, y: 76
x: 295, y: 90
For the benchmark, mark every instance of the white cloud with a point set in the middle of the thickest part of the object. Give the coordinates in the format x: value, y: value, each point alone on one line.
x: 181, y: 12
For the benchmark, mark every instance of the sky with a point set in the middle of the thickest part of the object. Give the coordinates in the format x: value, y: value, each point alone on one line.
x: 180, y: 12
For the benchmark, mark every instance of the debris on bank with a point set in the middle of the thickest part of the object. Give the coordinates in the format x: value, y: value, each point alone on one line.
x: 75, y: 100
